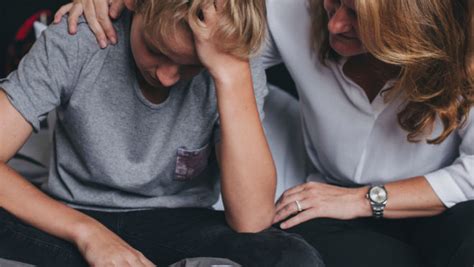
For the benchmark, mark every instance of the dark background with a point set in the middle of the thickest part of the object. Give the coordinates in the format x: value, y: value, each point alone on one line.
x: 12, y: 15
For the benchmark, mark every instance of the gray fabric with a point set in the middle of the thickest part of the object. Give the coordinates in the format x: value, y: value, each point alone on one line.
x: 9, y: 263
x: 113, y: 149
x: 205, y: 262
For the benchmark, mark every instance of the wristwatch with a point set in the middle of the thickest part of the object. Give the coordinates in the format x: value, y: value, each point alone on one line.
x: 377, y: 196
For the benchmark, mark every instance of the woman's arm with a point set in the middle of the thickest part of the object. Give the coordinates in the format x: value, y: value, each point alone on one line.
x: 248, y: 176
x: 98, y: 245
x: 419, y: 196
x: 413, y: 197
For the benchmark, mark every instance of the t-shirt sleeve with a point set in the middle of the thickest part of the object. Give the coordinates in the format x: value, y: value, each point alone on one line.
x: 44, y: 75
x: 260, y: 87
x: 269, y: 55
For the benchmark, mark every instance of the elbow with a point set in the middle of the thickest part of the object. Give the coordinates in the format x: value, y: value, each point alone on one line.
x: 254, y: 224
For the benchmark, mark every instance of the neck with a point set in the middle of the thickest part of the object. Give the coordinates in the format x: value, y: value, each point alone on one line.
x: 154, y: 94
x: 370, y: 73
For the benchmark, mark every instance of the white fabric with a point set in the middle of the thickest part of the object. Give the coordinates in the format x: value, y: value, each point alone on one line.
x: 351, y: 141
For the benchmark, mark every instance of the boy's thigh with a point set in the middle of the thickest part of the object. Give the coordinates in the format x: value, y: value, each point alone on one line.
x: 167, y: 236
x: 355, y: 243
x: 23, y: 243
x: 447, y: 239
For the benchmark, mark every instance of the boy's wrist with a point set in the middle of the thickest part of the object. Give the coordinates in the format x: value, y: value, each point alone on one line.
x: 230, y: 74
x: 82, y: 231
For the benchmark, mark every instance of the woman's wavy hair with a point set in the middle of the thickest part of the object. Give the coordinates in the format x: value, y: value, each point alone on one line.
x: 431, y: 42
x: 240, y: 31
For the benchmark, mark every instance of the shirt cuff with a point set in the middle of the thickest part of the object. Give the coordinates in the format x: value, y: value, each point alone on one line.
x: 446, y: 188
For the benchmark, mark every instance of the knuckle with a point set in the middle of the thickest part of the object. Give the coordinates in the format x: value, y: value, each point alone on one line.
x: 296, y: 220
x: 102, y: 19
x: 313, y: 191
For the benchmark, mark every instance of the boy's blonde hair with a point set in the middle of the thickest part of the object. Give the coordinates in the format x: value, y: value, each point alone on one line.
x: 431, y: 41
x: 240, y: 31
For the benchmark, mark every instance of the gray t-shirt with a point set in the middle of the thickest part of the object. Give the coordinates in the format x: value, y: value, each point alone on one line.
x: 113, y: 149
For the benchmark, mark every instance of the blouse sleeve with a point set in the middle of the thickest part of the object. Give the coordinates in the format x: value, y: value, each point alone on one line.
x: 455, y: 183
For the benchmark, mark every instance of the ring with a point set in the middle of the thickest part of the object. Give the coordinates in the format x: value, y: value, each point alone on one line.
x: 298, y: 206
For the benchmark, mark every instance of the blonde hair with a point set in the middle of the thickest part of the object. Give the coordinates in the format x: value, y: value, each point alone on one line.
x: 431, y: 41
x: 241, y: 26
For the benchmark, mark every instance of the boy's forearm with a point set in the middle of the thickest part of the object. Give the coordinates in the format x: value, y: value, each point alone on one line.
x: 22, y: 199
x: 248, y: 172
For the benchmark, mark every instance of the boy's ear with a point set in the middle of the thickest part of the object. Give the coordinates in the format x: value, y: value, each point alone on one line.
x: 130, y: 4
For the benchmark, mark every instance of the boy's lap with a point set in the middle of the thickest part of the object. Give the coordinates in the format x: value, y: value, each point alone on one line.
x: 24, y: 243
x: 167, y: 235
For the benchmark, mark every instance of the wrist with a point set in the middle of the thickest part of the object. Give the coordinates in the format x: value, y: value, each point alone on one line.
x: 363, y: 204
x: 229, y: 74
x: 83, y: 230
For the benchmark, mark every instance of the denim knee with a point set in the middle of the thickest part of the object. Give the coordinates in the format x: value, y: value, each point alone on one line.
x: 298, y: 253
x: 286, y: 249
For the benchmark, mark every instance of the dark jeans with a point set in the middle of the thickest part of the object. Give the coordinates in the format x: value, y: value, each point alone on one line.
x: 164, y: 236
x: 446, y: 240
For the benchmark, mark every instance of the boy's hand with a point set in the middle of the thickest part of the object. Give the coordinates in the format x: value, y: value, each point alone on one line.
x: 101, y: 247
x: 98, y: 14
x: 222, y: 66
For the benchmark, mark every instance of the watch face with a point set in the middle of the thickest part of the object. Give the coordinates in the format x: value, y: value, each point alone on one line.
x: 378, y: 194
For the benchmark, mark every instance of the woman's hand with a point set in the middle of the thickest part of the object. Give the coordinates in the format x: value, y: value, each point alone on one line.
x: 98, y: 14
x: 222, y: 66
x: 318, y: 200
x: 101, y: 247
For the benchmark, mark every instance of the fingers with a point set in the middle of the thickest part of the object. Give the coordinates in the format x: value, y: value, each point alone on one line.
x: 74, y: 13
x: 287, y: 210
x: 145, y: 261
x: 91, y: 17
x: 137, y: 259
x: 116, y: 8
x: 289, y: 199
x: 96, y: 13
x: 210, y: 14
x: 63, y: 10
x: 206, y: 20
x: 291, y: 191
x: 303, y: 216
x: 103, y: 28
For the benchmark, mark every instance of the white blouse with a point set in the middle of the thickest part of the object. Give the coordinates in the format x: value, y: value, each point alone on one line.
x: 351, y: 141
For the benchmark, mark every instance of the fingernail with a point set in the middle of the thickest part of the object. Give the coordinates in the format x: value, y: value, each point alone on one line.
x: 113, y: 40
x: 103, y: 44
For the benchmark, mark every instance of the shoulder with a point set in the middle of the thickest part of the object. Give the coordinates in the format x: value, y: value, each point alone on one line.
x: 84, y: 37
x: 287, y: 7
x: 60, y: 34
x: 288, y: 16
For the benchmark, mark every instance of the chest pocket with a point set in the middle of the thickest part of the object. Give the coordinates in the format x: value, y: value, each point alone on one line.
x: 191, y: 163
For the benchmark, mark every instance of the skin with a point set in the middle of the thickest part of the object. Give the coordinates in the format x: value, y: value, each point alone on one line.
x: 247, y: 169
x: 408, y: 197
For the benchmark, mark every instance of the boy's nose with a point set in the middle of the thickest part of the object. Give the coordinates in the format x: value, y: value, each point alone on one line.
x: 168, y: 74
x: 340, y: 22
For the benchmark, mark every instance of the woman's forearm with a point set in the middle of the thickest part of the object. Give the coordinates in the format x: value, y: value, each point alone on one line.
x: 412, y: 197
x: 247, y: 169
x: 407, y: 198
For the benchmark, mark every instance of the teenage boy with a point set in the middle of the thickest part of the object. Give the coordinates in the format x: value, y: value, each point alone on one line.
x: 133, y: 172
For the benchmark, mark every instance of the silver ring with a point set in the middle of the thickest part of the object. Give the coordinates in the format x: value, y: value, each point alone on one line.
x: 298, y: 206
